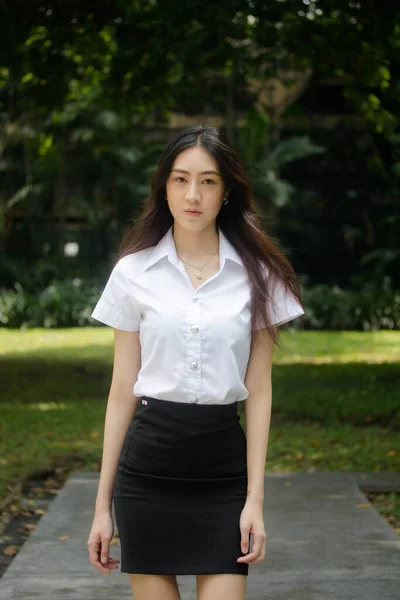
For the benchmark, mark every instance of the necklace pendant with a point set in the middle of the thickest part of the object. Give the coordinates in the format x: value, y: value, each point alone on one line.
x: 199, y: 275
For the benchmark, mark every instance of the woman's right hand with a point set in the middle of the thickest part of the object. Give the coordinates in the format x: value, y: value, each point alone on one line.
x: 99, y: 543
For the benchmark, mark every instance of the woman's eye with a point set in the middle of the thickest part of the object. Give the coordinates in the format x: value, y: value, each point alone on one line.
x: 179, y: 179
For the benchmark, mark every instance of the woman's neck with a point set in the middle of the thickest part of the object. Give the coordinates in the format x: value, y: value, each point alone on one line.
x: 195, y: 245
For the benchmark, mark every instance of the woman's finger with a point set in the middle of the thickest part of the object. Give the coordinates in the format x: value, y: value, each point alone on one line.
x: 256, y: 550
x: 105, y: 546
x: 94, y: 555
x: 261, y: 556
x: 245, y: 541
x: 112, y: 561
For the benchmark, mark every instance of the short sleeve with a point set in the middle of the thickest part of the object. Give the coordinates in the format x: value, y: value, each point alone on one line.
x: 285, y: 307
x: 117, y: 306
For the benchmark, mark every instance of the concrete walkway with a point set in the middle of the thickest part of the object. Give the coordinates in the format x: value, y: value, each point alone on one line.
x: 323, y: 544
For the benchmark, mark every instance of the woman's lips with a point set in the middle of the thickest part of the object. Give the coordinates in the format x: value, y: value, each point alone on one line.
x: 192, y: 212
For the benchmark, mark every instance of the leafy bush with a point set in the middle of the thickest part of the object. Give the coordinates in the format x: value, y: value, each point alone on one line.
x: 69, y: 303
x: 369, y: 307
x: 66, y: 303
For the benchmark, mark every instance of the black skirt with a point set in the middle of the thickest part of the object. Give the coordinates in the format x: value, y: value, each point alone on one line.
x: 179, y: 490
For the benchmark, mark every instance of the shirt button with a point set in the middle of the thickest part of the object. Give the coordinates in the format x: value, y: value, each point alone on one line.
x: 193, y: 365
x: 195, y: 399
x: 194, y: 328
x: 195, y: 298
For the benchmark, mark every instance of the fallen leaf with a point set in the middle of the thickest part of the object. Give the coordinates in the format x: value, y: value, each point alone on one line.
x: 113, y: 542
x: 391, y: 453
x: 50, y: 483
x: 39, y: 511
x: 287, y: 484
x: 26, y: 512
x: 63, y: 538
x: 29, y: 527
x: 10, y: 550
x: 363, y: 505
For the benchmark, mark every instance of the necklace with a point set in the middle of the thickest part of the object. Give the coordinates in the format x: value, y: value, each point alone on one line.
x: 199, y: 273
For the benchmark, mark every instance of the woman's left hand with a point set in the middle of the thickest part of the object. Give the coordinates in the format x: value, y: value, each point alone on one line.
x: 252, y: 522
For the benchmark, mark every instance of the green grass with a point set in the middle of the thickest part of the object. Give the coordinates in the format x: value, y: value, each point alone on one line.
x: 335, y: 401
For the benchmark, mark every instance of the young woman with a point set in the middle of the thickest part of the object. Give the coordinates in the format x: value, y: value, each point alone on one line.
x: 195, y: 300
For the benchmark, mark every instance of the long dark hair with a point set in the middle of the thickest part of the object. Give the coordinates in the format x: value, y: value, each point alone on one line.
x: 239, y: 220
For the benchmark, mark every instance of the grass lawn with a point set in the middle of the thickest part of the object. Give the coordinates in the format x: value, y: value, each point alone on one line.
x: 335, y: 401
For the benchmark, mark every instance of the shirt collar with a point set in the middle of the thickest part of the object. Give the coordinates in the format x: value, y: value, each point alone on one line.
x: 166, y: 247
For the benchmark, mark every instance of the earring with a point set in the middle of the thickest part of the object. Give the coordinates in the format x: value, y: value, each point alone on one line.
x: 226, y: 201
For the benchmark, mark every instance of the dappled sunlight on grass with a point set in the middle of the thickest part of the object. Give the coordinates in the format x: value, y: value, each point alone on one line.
x: 335, y: 400
x: 328, y: 347
x: 42, y: 406
x: 74, y: 343
x: 315, y: 347
x: 310, y: 446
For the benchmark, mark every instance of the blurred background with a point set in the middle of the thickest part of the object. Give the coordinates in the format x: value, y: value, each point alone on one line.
x: 308, y: 91
x: 90, y: 94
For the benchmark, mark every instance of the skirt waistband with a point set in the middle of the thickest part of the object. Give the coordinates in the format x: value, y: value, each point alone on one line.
x: 188, y: 407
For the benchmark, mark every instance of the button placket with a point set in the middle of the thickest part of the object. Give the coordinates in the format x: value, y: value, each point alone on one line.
x: 194, y: 350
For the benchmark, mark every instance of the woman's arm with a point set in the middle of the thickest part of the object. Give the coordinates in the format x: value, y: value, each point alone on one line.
x: 258, y: 412
x: 258, y: 418
x: 121, y: 407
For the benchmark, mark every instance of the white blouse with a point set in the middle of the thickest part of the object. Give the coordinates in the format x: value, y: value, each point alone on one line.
x: 195, y: 344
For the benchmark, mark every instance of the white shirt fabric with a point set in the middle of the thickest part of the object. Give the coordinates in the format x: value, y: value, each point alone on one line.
x: 195, y: 344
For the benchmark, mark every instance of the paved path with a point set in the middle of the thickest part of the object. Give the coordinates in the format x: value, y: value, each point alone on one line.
x: 321, y: 546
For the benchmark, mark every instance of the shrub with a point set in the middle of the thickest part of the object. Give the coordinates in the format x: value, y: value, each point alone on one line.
x: 370, y: 307
x: 66, y: 303
x: 69, y: 303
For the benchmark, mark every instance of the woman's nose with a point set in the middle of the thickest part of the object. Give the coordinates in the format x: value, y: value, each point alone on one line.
x: 193, y: 192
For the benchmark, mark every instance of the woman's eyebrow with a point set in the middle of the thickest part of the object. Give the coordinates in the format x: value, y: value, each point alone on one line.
x: 201, y: 173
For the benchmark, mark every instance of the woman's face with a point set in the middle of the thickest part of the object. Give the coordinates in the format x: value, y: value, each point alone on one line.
x: 195, y: 183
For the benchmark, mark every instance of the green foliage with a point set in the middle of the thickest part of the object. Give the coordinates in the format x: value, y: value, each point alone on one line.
x: 147, y: 58
x: 369, y: 307
x: 289, y: 150
x: 97, y: 170
x: 263, y: 164
x: 84, y: 92
x: 60, y: 304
